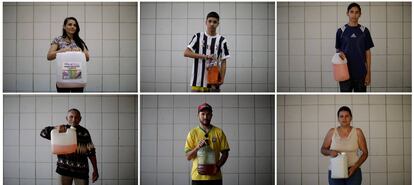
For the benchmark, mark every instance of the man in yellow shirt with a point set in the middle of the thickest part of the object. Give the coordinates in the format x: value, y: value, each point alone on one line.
x: 210, y: 136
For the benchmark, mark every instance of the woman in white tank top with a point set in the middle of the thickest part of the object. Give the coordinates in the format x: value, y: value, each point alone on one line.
x: 348, y: 139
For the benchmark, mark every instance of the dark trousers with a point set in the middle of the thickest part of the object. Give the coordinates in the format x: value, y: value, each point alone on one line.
x: 355, y: 85
x: 213, y: 88
x: 207, y: 182
x: 80, y: 89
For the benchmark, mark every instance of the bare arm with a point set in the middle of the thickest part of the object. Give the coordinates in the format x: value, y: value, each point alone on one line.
x: 193, y: 153
x: 325, y: 149
x: 223, y: 158
x: 368, y: 66
x: 362, y: 144
x: 95, y: 174
x: 86, y: 54
x: 223, y: 71
x: 191, y: 54
x: 53, y: 50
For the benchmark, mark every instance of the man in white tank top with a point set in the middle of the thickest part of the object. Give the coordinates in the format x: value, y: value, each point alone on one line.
x: 348, y: 139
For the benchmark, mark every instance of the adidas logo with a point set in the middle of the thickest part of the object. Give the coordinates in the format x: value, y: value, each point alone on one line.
x: 353, y: 35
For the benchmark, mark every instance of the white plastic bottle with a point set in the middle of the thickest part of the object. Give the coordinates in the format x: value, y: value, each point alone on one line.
x: 64, y: 143
x: 206, y: 160
x: 339, y: 166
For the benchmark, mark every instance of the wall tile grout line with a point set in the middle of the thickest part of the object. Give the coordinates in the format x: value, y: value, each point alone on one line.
x: 318, y: 138
x: 101, y: 128
x: 33, y: 50
x: 35, y: 138
x: 19, y: 138
x: 156, y: 140
x: 173, y: 140
x: 119, y: 48
x: 403, y: 49
x: 252, y: 46
x: 370, y: 141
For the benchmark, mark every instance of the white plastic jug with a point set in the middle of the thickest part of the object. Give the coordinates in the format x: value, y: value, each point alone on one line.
x: 339, y: 166
x: 71, y: 69
x: 64, y: 143
x: 339, y: 68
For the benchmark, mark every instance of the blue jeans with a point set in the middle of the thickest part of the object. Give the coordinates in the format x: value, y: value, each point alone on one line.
x: 356, y: 85
x: 355, y: 179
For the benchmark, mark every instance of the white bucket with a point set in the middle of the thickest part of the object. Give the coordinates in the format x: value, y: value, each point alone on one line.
x: 71, y: 69
x: 339, y: 166
x: 64, y: 143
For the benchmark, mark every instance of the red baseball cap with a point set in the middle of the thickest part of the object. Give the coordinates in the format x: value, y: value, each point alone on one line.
x: 205, y: 106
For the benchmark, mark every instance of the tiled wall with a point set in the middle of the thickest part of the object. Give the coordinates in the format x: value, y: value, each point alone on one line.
x: 248, y: 122
x: 108, y: 29
x: 167, y: 28
x: 111, y: 121
x: 303, y: 121
x: 306, y: 44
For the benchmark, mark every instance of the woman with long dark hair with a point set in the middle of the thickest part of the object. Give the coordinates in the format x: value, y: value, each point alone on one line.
x: 68, y: 41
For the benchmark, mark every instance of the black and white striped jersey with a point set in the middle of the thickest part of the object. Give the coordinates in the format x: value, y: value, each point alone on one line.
x: 202, y: 43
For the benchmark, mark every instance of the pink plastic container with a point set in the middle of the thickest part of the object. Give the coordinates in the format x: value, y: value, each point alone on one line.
x: 340, y: 72
x: 339, y: 68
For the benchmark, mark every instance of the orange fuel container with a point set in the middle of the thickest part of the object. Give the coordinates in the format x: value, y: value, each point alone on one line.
x: 213, y: 75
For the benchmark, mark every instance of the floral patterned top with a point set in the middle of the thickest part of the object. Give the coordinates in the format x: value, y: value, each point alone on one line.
x: 63, y: 43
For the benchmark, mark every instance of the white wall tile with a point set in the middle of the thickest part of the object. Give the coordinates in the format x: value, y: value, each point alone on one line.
x: 128, y: 13
x: 110, y: 13
x: 58, y: 13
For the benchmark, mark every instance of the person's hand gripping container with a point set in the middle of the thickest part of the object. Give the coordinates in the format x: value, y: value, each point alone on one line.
x: 65, y: 142
x: 340, y: 68
x: 206, y: 160
x: 71, y: 69
x: 213, y: 71
x: 339, y: 166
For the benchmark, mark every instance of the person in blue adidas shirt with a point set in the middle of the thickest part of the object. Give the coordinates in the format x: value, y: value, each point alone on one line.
x: 353, y: 42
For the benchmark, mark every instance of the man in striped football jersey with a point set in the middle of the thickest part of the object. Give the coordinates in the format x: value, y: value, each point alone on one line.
x: 206, y: 47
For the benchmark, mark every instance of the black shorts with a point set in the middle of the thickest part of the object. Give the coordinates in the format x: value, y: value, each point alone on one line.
x: 80, y: 89
x: 207, y: 182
